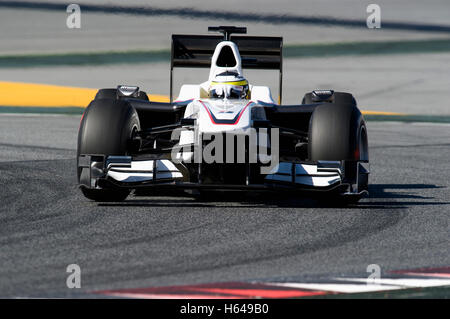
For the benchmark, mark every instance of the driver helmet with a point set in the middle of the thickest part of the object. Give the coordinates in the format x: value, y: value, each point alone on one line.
x: 229, y: 85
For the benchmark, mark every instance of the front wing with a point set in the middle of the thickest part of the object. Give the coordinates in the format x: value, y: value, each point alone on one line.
x: 98, y: 172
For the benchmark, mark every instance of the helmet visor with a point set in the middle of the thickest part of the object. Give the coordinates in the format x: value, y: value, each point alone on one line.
x: 228, y: 91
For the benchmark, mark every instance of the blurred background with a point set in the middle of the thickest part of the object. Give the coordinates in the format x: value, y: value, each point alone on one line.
x: 403, y: 67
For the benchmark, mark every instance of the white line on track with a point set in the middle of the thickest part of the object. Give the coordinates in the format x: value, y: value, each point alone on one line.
x: 404, y: 282
x: 343, y: 288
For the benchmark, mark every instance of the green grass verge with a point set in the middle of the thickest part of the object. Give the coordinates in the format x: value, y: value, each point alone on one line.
x: 367, y: 48
x: 289, y: 51
x: 83, y: 58
x: 41, y: 110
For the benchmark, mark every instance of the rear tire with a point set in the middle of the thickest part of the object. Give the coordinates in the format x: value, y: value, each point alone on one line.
x: 112, y: 94
x: 106, y: 128
x: 337, y: 98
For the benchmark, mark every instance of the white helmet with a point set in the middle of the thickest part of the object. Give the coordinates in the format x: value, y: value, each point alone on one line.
x: 229, y: 85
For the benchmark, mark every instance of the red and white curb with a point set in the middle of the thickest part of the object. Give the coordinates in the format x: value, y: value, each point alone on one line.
x: 420, y: 278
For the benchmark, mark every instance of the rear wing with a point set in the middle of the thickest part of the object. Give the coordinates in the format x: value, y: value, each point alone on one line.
x: 195, y: 51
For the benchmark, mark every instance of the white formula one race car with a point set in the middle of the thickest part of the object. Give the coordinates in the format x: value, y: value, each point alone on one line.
x: 223, y: 134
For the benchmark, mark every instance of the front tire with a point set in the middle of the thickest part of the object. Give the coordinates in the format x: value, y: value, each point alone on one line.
x: 334, y: 132
x: 337, y: 132
x: 106, y: 128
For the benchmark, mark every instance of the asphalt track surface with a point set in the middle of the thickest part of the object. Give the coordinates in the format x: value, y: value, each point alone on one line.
x: 46, y: 224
